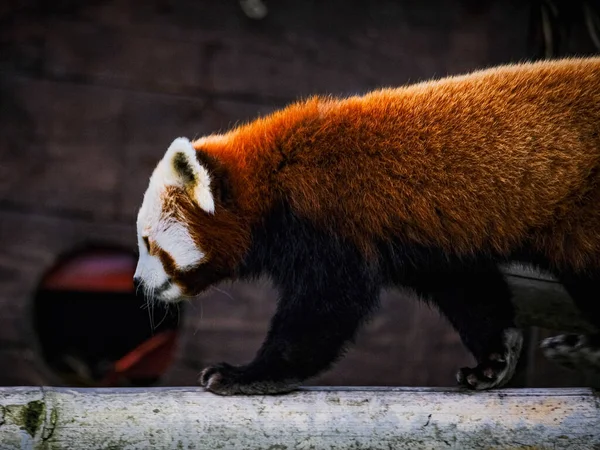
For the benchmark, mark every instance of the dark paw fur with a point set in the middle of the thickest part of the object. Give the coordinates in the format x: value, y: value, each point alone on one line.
x: 497, y: 369
x: 573, y: 351
x: 225, y: 379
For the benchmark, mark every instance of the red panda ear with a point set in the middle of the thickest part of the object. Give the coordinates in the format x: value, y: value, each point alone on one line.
x: 181, y: 168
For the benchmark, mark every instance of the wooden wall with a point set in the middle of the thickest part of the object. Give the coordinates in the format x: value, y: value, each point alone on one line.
x: 93, y: 92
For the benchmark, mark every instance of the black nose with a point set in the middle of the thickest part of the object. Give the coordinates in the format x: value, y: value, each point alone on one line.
x: 137, y: 283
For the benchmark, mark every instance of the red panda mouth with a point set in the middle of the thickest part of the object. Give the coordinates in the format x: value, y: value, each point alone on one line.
x: 163, y: 287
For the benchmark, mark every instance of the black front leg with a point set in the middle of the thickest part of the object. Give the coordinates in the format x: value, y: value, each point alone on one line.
x: 327, y: 289
x: 314, y: 322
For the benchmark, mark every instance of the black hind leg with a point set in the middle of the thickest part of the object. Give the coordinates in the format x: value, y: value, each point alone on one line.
x: 578, y: 351
x: 477, y: 303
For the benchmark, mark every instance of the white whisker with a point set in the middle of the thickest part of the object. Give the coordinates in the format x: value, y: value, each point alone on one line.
x: 227, y: 294
x: 178, y: 314
x: 164, y: 317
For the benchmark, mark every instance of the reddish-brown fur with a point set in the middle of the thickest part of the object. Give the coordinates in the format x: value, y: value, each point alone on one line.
x: 482, y: 162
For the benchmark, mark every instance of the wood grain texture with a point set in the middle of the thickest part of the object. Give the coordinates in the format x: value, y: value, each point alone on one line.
x: 311, y: 418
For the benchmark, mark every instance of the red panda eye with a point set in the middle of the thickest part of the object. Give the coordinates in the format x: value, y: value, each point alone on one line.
x: 146, y: 243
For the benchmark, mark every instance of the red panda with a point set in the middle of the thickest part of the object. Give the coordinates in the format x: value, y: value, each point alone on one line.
x: 429, y: 186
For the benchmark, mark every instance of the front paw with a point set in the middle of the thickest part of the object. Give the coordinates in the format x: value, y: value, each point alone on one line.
x: 225, y: 379
x: 498, y: 368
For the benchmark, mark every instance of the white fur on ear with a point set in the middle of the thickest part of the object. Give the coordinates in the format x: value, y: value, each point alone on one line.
x: 181, y: 152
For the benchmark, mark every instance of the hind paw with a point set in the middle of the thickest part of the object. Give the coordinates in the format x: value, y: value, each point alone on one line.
x: 573, y: 351
x: 498, y: 368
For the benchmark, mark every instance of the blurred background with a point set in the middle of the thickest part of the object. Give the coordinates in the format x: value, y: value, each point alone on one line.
x: 92, y: 93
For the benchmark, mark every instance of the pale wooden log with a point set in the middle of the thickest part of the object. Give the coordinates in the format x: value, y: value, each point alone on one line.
x: 319, y: 418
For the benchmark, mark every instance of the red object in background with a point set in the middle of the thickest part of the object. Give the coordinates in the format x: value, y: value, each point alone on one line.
x: 149, y: 360
x: 93, y: 271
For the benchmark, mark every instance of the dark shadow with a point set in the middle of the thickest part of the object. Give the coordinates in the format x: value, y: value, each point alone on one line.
x: 93, y: 329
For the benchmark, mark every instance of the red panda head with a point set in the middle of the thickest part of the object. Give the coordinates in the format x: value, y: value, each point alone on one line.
x: 190, y: 235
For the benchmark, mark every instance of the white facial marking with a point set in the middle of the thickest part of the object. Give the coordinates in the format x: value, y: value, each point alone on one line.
x: 165, y: 231
x: 172, y: 294
x: 174, y: 238
x: 150, y: 270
